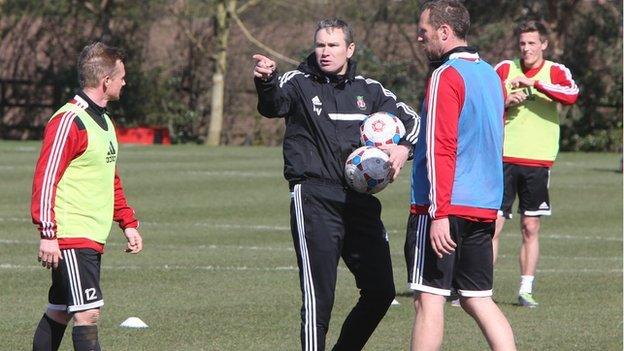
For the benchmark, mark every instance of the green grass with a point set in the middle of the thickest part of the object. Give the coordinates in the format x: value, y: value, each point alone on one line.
x: 218, y: 271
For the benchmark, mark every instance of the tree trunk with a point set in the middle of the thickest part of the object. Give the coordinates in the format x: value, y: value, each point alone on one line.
x: 222, y: 29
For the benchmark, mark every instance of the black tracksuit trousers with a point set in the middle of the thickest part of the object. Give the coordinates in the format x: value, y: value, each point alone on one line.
x: 329, y: 222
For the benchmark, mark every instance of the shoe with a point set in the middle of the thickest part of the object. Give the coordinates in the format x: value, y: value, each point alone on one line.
x: 453, y: 298
x: 527, y: 300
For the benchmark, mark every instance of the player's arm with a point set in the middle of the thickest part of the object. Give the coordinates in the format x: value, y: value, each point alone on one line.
x: 562, y: 88
x: 399, y: 154
x: 388, y: 102
x: 512, y: 98
x: 124, y: 215
x: 273, y: 95
x: 444, y: 101
x: 502, y: 70
x: 64, y: 139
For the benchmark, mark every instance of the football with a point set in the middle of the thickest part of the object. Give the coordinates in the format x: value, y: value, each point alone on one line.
x: 381, y: 128
x: 366, y: 170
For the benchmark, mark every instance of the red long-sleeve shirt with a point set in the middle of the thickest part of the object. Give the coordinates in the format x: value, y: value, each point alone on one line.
x: 458, y: 171
x: 562, y: 88
x: 65, y: 138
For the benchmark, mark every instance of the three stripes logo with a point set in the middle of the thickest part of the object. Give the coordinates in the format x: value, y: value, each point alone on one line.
x: 111, y: 156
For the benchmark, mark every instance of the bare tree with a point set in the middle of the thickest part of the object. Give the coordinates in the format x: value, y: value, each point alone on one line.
x: 222, y: 29
x: 226, y: 11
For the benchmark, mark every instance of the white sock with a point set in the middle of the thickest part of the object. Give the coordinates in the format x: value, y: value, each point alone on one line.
x: 526, y: 284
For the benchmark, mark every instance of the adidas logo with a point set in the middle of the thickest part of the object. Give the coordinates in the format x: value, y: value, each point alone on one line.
x: 317, y: 105
x: 543, y: 206
x: 111, y: 156
x: 111, y: 149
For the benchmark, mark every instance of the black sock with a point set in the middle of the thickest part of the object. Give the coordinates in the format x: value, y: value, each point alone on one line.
x: 48, y: 335
x: 85, y: 338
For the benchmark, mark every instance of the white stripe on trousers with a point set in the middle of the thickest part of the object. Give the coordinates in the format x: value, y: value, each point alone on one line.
x: 73, y: 274
x: 311, y: 342
x: 419, y: 249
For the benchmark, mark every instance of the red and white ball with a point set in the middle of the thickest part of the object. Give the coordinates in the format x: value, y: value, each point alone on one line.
x: 366, y: 170
x: 381, y: 128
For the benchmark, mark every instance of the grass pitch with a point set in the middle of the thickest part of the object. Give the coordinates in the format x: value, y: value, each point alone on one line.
x: 218, y: 271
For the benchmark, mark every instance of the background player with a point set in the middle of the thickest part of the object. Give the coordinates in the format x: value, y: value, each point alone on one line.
x: 535, y: 87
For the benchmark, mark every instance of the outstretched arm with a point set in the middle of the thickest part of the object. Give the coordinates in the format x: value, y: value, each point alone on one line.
x: 273, y: 98
x: 264, y: 68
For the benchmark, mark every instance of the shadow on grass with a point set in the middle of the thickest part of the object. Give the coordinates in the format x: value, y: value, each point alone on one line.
x: 408, y: 293
x: 607, y: 170
x: 507, y: 303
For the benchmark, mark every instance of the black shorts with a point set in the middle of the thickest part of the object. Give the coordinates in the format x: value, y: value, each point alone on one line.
x: 531, y: 185
x: 469, y: 269
x: 76, y: 282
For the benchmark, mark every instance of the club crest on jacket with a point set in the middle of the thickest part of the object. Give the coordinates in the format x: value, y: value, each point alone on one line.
x: 361, y: 104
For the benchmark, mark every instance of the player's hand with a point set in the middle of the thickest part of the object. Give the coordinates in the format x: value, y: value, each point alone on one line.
x: 521, y: 82
x: 49, y: 253
x: 516, y: 98
x: 398, y: 155
x: 440, y: 236
x: 264, y: 67
x: 135, y: 242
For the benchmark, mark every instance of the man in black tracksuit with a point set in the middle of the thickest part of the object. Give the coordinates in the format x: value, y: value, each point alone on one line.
x: 323, y: 103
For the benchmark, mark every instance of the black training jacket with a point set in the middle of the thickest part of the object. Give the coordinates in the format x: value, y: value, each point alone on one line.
x: 323, y: 114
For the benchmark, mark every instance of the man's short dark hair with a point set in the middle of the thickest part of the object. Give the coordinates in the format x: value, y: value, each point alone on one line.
x: 96, y: 61
x: 450, y: 12
x: 532, y: 26
x: 331, y: 23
